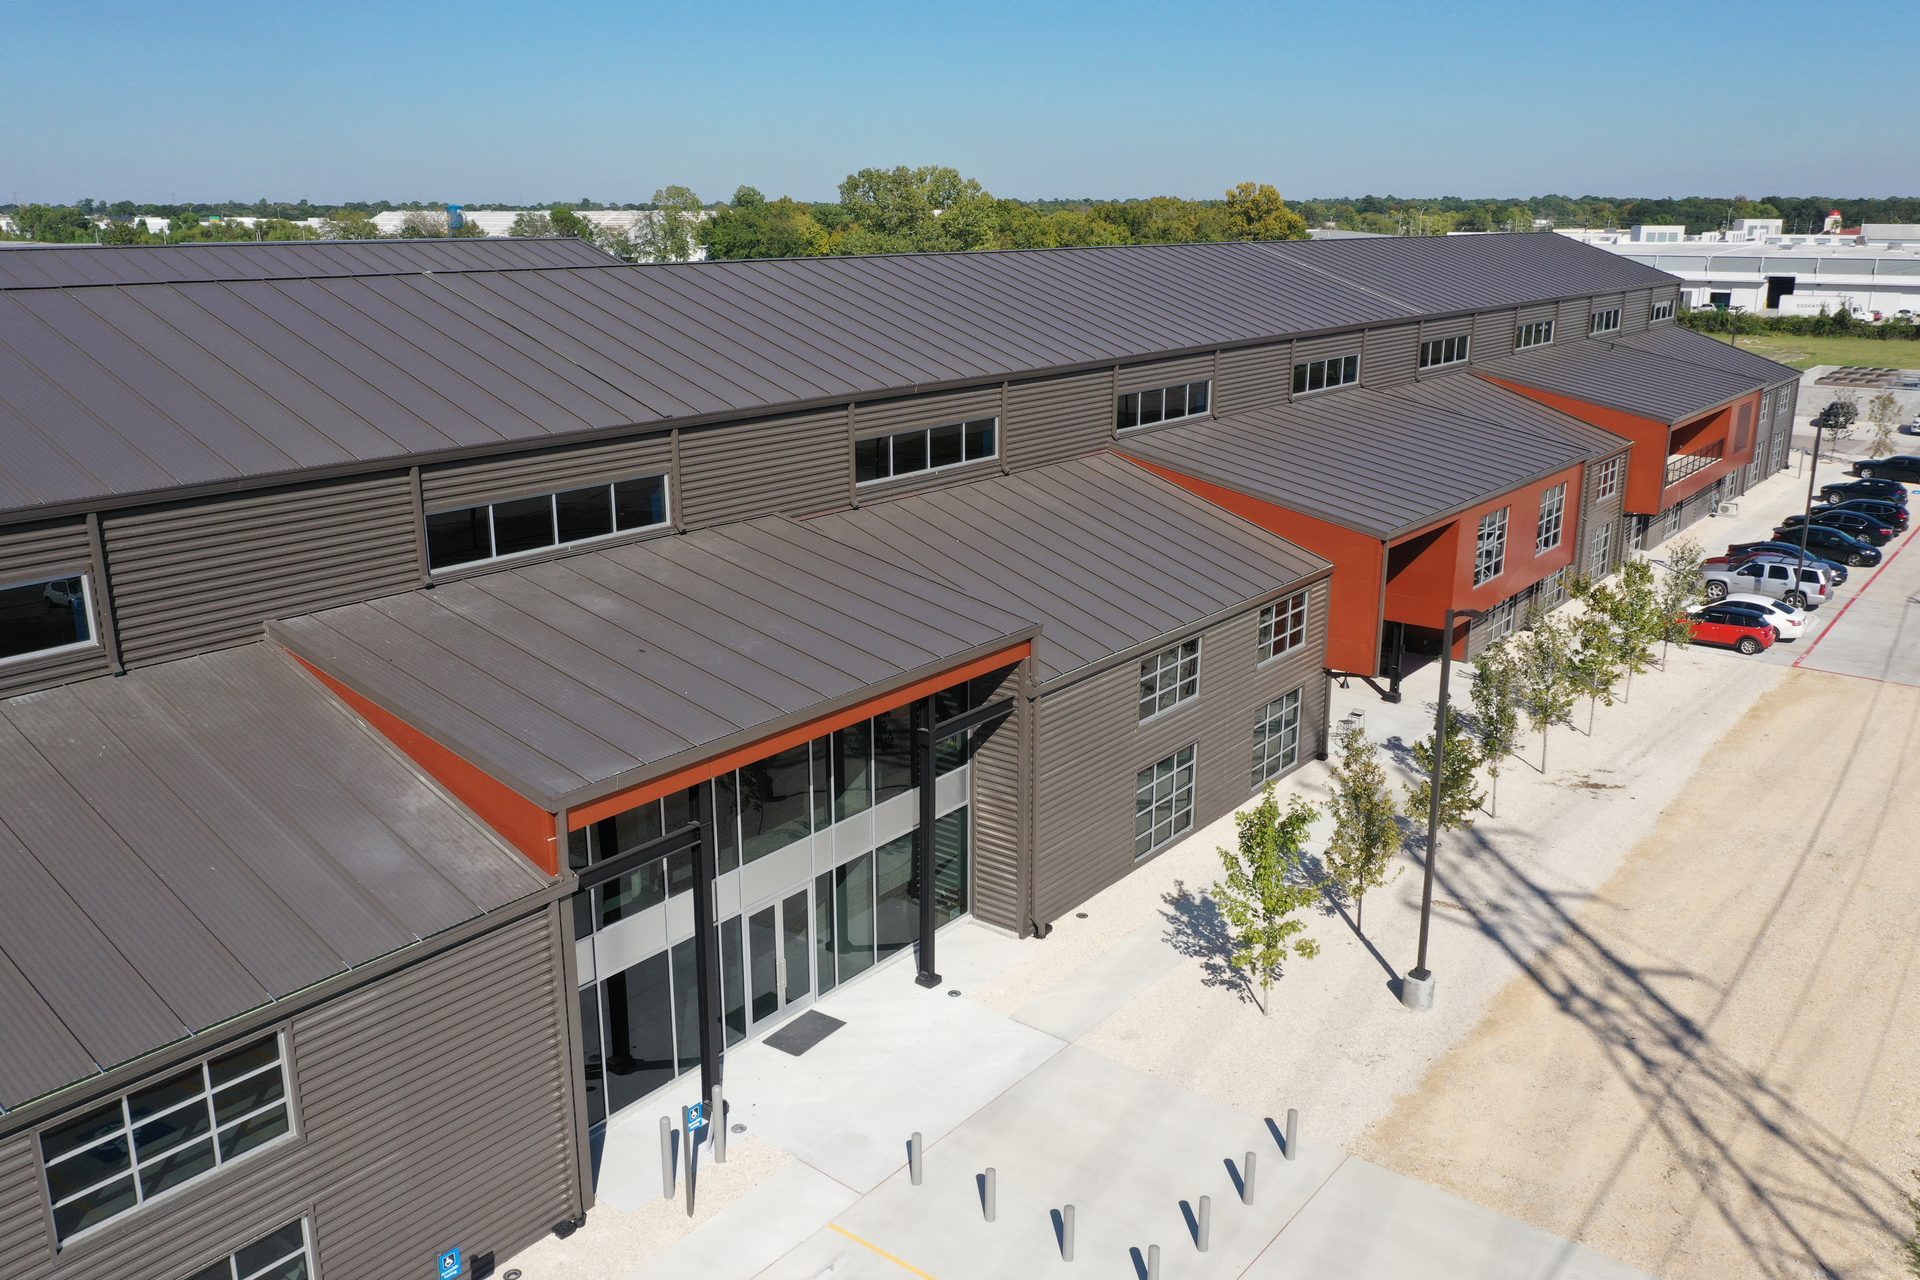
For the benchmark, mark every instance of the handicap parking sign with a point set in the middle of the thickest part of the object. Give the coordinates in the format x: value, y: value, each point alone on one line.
x: 450, y: 1267
x: 696, y: 1117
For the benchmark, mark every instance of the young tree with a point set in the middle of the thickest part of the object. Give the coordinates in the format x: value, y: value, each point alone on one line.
x: 1496, y: 713
x: 1633, y: 606
x: 1883, y: 414
x: 1543, y: 664
x: 1365, y: 834
x: 668, y: 232
x: 1264, y: 890
x: 1459, y: 787
x: 1597, y: 660
x: 1679, y: 591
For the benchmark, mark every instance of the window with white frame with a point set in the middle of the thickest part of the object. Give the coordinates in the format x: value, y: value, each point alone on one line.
x: 1163, y: 404
x: 1535, y: 333
x: 45, y: 616
x: 1553, y: 518
x: 1606, y: 320
x: 1610, y: 472
x: 1437, y: 352
x: 1324, y: 375
x: 520, y: 526
x: 117, y: 1156
x: 1499, y: 622
x: 1276, y: 738
x: 1283, y: 626
x: 1661, y: 311
x: 278, y: 1255
x: 906, y: 453
x: 1162, y: 801
x: 1169, y: 678
x: 1600, y: 558
x: 1490, y: 547
x: 1672, y: 521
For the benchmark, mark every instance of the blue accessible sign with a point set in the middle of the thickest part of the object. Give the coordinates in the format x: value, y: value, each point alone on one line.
x: 450, y: 1268
x: 695, y: 1117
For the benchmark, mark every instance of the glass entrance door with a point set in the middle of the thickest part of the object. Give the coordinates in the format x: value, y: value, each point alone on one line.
x: 779, y: 956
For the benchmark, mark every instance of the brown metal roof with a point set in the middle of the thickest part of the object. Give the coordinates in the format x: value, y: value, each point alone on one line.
x: 77, y: 265
x: 1106, y: 557
x: 111, y: 394
x: 196, y: 840
x: 1617, y: 376
x: 571, y: 679
x: 1685, y: 345
x: 1383, y: 462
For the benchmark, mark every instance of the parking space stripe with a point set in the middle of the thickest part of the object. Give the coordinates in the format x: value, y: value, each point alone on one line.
x: 868, y: 1244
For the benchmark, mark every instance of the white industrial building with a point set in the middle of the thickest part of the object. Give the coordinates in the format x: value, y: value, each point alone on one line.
x: 499, y: 222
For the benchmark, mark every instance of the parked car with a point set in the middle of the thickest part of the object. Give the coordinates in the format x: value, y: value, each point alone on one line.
x: 1885, y: 490
x: 1831, y: 543
x: 1730, y: 627
x: 1865, y: 528
x: 1910, y: 428
x: 1899, y: 466
x: 1773, y: 577
x: 1836, y: 572
x: 1885, y: 512
x: 1788, y: 623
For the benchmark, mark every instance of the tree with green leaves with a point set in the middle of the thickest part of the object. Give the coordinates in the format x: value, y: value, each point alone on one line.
x: 533, y: 222
x: 668, y: 232
x: 1265, y: 889
x: 1597, y: 660
x: 1365, y: 835
x: 752, y: 226
x: 1459, y: 787
x: 422, y: 224
x: 1632, y: 604
x: 350, y: 224
x: 1543, y: 667
x: 568, y: 223
x: 1255, y: 211
x: 902, y: 210
x: 1496, y: 713
x: 1678, y: 591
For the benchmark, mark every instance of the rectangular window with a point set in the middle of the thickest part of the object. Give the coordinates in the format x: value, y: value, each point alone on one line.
x: 1661, y: 311
x: 1169, y: 678
x: 1610, y: 477
x: 1323, y: 375
x: 1283, y: 626
x: 1535, y: 334
x: 518, y: 526
x: 1276, y: 738
x: 1604, y: 321
x: 279, y: 1255
x: 163, y: 1135
x: 1436, y: 352
x: 1499, y: 621
x: 1553, y: 515
x: 46, y: 615
x: 1163, y: 404
x: 906, y: 453
x: 1490, y: 548
x: 1162, y: 801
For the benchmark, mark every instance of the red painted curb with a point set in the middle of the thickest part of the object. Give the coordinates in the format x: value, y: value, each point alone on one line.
x: 1885, y: 562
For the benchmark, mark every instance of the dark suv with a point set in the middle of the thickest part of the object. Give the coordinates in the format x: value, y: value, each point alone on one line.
x: 1901, y: 466
x: 1830, y: 543
x: 1885, y: 490
x: 1863, y: 527
x: 1889, y: 513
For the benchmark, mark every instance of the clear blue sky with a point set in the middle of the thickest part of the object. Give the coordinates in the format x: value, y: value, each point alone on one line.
x: 488, y: 101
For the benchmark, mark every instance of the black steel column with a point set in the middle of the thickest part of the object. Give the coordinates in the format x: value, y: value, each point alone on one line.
x: 706, y: 944
x: 925, y: 773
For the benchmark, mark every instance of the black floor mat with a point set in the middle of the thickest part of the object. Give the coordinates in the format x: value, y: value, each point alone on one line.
x: 804, y: 1032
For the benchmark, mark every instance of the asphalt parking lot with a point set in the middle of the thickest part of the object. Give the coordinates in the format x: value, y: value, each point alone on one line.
x: 1873, y: 629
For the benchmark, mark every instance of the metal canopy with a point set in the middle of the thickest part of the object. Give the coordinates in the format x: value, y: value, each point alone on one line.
x: 1105, y: 556
x: 196, y: 840
x: 574, y: 678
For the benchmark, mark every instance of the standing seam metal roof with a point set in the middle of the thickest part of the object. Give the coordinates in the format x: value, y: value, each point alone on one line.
x: 107, y: 394
x: 1692, y: 348
x: 1628, y: 378
x: 75, y: 265
x: 196, y: 840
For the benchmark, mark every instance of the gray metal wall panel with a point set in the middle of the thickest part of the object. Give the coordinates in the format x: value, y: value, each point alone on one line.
x: 1000, y: 851
x: 1090, y: 745
x: 433, y: 1107
x: 41, y: 551
x: 1666, y: 293
x: 1634, y: 310
x: 1253, y: 377
x: 205, y: 575
x: 1451, y: 327
x: 781, y: 466
x: 1492, y: 336
x: 1334, y: 344
x: 1164, y: 373
x: 461, y: 484
x: 1392, y: 355
x: 1571, y: 322
x: 925, y: 411
x: 1597, y: 512
x: 1053, y: 419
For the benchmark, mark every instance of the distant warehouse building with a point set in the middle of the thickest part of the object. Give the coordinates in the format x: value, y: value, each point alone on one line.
x: 451, y: 689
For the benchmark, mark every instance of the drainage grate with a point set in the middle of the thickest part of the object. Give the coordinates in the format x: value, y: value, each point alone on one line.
x: 804, y: 1032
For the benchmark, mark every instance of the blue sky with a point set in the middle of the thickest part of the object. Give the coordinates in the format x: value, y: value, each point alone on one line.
x: 485, y: 101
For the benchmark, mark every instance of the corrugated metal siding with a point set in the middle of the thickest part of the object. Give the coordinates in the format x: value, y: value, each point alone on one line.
x: 1334, y: 344
x: 924, y: 411
x: 999, y: 813
x: 1666, y: 293
x: 1572, y: 320
x: 1091, y: 745
x: 782, y: 466
x: 462, y: 484
x: 1597, y: 512
x: 42, y: 551
x: 1634, y: 311
x: 1053, y: 419
x: 1392, y: 356
x: 433, y: 1108
x: 1492, y: 336
x: 1253, y: 377
x: 205, y: 575
x: 1164, y: 373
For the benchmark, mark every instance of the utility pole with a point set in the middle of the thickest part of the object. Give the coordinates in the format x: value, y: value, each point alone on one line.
x: 1416, y: 988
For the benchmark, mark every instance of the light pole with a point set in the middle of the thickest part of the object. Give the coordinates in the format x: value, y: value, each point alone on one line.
x: 1416, y: 988
x: 1826, y: 420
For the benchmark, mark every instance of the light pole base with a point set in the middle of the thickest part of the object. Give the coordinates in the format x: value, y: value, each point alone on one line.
x: 1416, y: 989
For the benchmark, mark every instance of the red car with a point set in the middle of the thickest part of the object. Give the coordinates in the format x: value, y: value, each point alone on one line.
x: 1731, y: 628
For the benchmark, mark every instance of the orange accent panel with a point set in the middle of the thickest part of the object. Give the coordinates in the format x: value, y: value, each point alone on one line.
x: 525, y: 825
x: 680, y: 779
x: 1646, y: 461
x: 1359, y: 566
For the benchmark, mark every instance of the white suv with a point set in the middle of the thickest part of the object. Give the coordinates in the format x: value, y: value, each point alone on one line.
x: 1800, y: 585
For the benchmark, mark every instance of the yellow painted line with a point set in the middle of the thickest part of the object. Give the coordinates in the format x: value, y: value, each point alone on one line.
x: 898, y: 1262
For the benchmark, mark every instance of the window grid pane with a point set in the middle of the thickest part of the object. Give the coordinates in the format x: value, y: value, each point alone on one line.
x: 1321, y: 375
x: 1537, y: 334
x: 1283, y: 625
x: 1169, y: 678
x: 1490, y: 549
x: 1276, y: 738
x: 905, y: 453
x: 1553, y: 507
x: 1163, y: 801
x: 1163, y: 404
x: 517, y: 526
